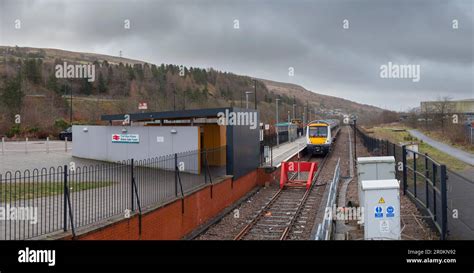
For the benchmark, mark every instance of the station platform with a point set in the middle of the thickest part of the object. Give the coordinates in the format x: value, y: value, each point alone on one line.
x: 284, y: 152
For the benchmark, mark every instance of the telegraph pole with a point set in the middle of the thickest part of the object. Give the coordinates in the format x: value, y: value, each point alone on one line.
x: 70, y: 114
x: 289, y: 125
x: 276, y: 122
x: 355, y: 142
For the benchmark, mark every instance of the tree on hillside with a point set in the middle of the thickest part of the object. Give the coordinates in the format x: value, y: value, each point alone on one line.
x: 101, y: 85
x: 52, y: 83
x: 110, y: 75
x: 131, y: 73
x: 33, y: 70
x: 12, y: 95
x: 86, y: 87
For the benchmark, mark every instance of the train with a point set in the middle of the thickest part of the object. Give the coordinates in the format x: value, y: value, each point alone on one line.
x: 321, y: 135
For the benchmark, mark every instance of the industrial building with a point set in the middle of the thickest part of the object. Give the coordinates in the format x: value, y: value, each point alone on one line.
x: 448, y: 107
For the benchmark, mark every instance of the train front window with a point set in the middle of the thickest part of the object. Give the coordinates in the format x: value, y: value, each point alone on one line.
x: 318, y: 131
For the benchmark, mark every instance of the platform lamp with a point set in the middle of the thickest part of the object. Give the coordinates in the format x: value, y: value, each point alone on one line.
x: 355, y: 140
x: 247, y: 93
x: 289, y: 125
x: 276, y: 122
x: 255, y: 92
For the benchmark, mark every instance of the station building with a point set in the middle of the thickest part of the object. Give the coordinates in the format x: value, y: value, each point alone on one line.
x: 154, y: 134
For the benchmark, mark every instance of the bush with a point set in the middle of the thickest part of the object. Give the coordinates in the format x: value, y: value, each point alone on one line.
x: 61, y: 124
x: 33, y: 130
x: 14, y: 130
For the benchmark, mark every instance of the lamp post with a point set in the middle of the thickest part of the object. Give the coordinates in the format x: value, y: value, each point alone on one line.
x: 355, y: 140
x: 255, y: 92
x: 70, y: 114
x: 241, y: 99
x: 276, y: 122
x: 294, y: 106
x: 247, y: 93
x: 288, y: 125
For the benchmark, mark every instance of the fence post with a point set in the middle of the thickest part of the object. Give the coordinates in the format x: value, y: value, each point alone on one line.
x: 131, y: 185
x: 65, y: 144
x: 47, y: 145
x: 444, y: 204
x: 26, y: 145
x: 427, y: 173
x: 205, y: 166
x: 65, y: 199
x: 3, y: 145
x: 414, y: 174
x: 435, y: 167
x: 176, y: 174
x: 271, y: 156
x: 404, y: 163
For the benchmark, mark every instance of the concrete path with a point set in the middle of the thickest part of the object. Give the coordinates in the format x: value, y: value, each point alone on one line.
x: 454, y: 152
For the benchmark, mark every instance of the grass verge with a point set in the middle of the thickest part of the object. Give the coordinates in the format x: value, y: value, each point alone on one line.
x: 11, y: 192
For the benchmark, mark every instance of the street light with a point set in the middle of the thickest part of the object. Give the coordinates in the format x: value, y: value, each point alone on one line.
x: 289, y: 126
x: 247, y: 93
x: 255, y: 88
x: 294, y: 106
x: 355, y: 138
x: 276, y: 122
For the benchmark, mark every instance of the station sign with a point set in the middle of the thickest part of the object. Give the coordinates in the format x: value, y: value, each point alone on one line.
x: 142, y: 106
x: 125, y: 138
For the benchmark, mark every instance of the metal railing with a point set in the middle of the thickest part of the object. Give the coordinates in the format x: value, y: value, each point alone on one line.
x: 423, y: 178
x: 42, y: 201
x: 31, y: 146
x: 271, y: 139
x: 324, y: 230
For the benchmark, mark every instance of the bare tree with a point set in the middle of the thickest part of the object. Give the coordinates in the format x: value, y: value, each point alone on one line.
x: 442, y: 107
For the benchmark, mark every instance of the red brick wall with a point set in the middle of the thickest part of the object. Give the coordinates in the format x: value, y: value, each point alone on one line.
x: 169, y: 223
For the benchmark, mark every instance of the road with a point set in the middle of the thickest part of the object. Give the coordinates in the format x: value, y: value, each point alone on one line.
x: 454, y: 152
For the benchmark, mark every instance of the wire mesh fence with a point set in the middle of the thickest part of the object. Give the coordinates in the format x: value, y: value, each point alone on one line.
x: 39, y: 202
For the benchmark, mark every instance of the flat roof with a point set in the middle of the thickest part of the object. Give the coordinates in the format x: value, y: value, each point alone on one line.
x: 384, y: 184
x: 376, y: 159
x: 178, y: 114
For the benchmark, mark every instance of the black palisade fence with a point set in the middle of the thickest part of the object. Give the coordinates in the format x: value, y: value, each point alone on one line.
x: 423, y: 179
x: 40, y: 202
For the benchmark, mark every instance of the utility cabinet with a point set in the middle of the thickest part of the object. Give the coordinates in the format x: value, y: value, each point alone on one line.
x: 381, y: 209
x: 374, y: 168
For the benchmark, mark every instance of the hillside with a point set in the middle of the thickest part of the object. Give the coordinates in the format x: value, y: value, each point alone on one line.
x: 322, y: 104
x: 30, y: 87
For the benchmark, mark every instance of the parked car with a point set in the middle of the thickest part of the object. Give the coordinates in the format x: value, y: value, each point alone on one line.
x: 66, y: 133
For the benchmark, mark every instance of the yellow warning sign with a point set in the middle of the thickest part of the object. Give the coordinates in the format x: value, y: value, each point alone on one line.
x: 381, y: 200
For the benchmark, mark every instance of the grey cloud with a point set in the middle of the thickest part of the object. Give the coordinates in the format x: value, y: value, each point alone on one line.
x: 273, y: 35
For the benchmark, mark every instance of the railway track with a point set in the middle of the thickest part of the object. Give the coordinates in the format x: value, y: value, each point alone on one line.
x: 279, y: 218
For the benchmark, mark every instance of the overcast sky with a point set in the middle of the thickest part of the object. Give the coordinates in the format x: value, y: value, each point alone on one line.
x: 272, y: 37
